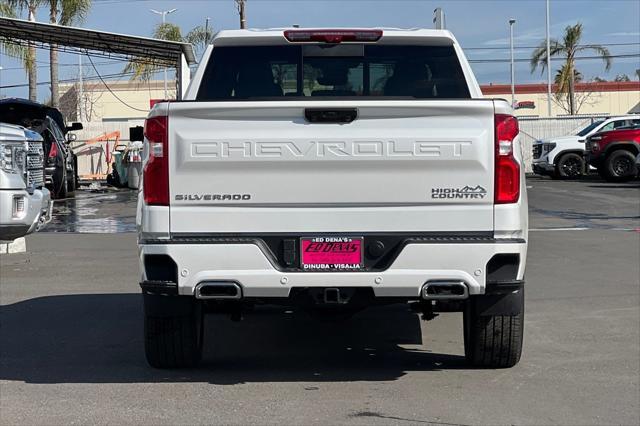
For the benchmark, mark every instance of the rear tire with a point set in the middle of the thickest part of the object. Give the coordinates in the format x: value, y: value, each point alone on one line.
x: 173, y: 331
x: 620, y: 166
x: 570, y: 166
x: 493, y: 341
x: 64, y: 186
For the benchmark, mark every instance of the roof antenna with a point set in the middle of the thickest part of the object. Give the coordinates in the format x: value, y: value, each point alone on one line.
x: 296, y: 25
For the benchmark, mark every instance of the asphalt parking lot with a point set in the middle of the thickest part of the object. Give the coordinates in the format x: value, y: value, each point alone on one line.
x: 71, y: 347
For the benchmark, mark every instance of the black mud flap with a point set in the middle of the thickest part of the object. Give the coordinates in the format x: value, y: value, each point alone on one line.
x: 501, y: 302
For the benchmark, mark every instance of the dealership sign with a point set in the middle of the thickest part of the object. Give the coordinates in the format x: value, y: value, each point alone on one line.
x: 525, y: 105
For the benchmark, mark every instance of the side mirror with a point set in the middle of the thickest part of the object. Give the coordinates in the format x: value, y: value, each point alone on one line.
x: 74, y: 126
x: 71, y: 137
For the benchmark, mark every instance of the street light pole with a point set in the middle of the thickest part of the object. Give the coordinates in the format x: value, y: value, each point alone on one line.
x: 548, y: 65
x: 513, y: 71
x: 164, y: 14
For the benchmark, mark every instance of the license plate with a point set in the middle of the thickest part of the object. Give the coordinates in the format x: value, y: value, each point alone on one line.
x: 331, y: 254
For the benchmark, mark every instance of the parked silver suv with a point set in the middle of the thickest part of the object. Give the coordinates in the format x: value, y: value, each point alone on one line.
x: 25, y: 204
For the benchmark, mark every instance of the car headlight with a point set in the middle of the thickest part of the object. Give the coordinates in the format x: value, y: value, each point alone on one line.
x: 595, y: 146
x: 13, y: 157
x: 548, y: 147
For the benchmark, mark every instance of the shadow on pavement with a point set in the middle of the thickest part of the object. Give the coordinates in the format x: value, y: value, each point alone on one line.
x: 97, y: 338
x: 628, y: 185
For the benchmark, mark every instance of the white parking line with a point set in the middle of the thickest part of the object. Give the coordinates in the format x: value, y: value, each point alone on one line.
x: 556, y: 229
x: 583, y: 229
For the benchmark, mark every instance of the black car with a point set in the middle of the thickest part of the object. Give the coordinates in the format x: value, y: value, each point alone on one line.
x: 60, y: 170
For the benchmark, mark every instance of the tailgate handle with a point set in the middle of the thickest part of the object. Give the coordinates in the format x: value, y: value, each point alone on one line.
x: 334, y: 115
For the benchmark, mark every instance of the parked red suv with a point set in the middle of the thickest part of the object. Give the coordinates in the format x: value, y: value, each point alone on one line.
x: 614, y: 153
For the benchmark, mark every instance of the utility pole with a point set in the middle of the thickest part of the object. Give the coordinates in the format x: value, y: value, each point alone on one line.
x: 548, y: 64
x: 164, y: 14
x: 243, y: 20
x: 80, y: 89
x: 513, y: 71
x: 438, y: 19
x: 206, y: 32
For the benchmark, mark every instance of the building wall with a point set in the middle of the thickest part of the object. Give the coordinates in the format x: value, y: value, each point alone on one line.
x: 607, y: 98
x: 99, y: 104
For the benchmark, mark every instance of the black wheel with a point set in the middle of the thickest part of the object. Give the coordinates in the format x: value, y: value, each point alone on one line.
x: 570, y: 166
x: 620, y: 166
x: 76, y: 179
x: 173, y: 331
x: 64, y: 185
x: 71, y: 183
x: 493, y: 341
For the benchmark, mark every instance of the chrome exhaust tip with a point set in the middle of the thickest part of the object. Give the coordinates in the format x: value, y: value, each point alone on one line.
x: 445, y: 290
x: 218, y: 290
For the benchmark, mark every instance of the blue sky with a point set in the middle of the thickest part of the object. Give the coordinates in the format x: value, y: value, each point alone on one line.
x: 476, y: 24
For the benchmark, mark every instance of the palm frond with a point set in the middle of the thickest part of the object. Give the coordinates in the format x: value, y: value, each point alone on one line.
x: 143, y: 69
x: 168, y: 31
x: 601, y: 51
x: 74, y: 11
x: 539, y: 55
x: 7, y: 10
x: 198, y: 37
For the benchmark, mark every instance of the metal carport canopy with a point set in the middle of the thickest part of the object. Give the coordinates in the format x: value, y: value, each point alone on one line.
x: 163, y: 52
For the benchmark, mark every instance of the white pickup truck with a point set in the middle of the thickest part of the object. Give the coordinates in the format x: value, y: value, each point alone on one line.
x: 333, y: 170
x: 25, y: 204
x: 563, y: 157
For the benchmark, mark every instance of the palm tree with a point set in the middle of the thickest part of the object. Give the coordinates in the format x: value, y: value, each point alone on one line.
x: 63, y: 12
x: 142, y: 69
x: 11, y: 49
x: 29, y: 56
x: 568, y: 48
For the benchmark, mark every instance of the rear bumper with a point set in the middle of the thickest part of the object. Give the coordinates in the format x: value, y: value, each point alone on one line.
x: 248, y: 265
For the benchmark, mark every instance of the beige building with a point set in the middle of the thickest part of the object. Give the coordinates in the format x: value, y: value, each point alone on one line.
x: 597, y: 98
x: 129, y: 100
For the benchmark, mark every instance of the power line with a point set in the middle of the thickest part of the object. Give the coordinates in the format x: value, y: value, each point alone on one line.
x: 111, y: 91
x: 579, y: 58
x: 535, y: 47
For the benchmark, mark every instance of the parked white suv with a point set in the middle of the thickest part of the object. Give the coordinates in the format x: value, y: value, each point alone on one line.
x: 333, y: 170
x: 25, y: 204
x: 563, y: 157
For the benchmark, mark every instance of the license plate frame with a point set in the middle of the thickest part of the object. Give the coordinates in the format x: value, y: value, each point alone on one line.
x: 332, y: 253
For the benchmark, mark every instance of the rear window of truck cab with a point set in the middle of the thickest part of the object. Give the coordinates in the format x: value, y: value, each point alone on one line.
x: 328, y: 71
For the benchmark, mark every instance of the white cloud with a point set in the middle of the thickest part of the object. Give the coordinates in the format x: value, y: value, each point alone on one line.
x: 534, y: 35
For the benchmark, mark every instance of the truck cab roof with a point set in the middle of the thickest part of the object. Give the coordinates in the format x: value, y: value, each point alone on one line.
x: 277, y: 36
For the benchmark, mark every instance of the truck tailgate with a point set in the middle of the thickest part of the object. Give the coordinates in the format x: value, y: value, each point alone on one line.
x: 402, y: 165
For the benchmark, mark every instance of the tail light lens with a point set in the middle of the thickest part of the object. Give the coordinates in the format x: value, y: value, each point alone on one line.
x: 332, y: 36
x: 156, y: 170
x: 507, y: 173
x: 53, y: 152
